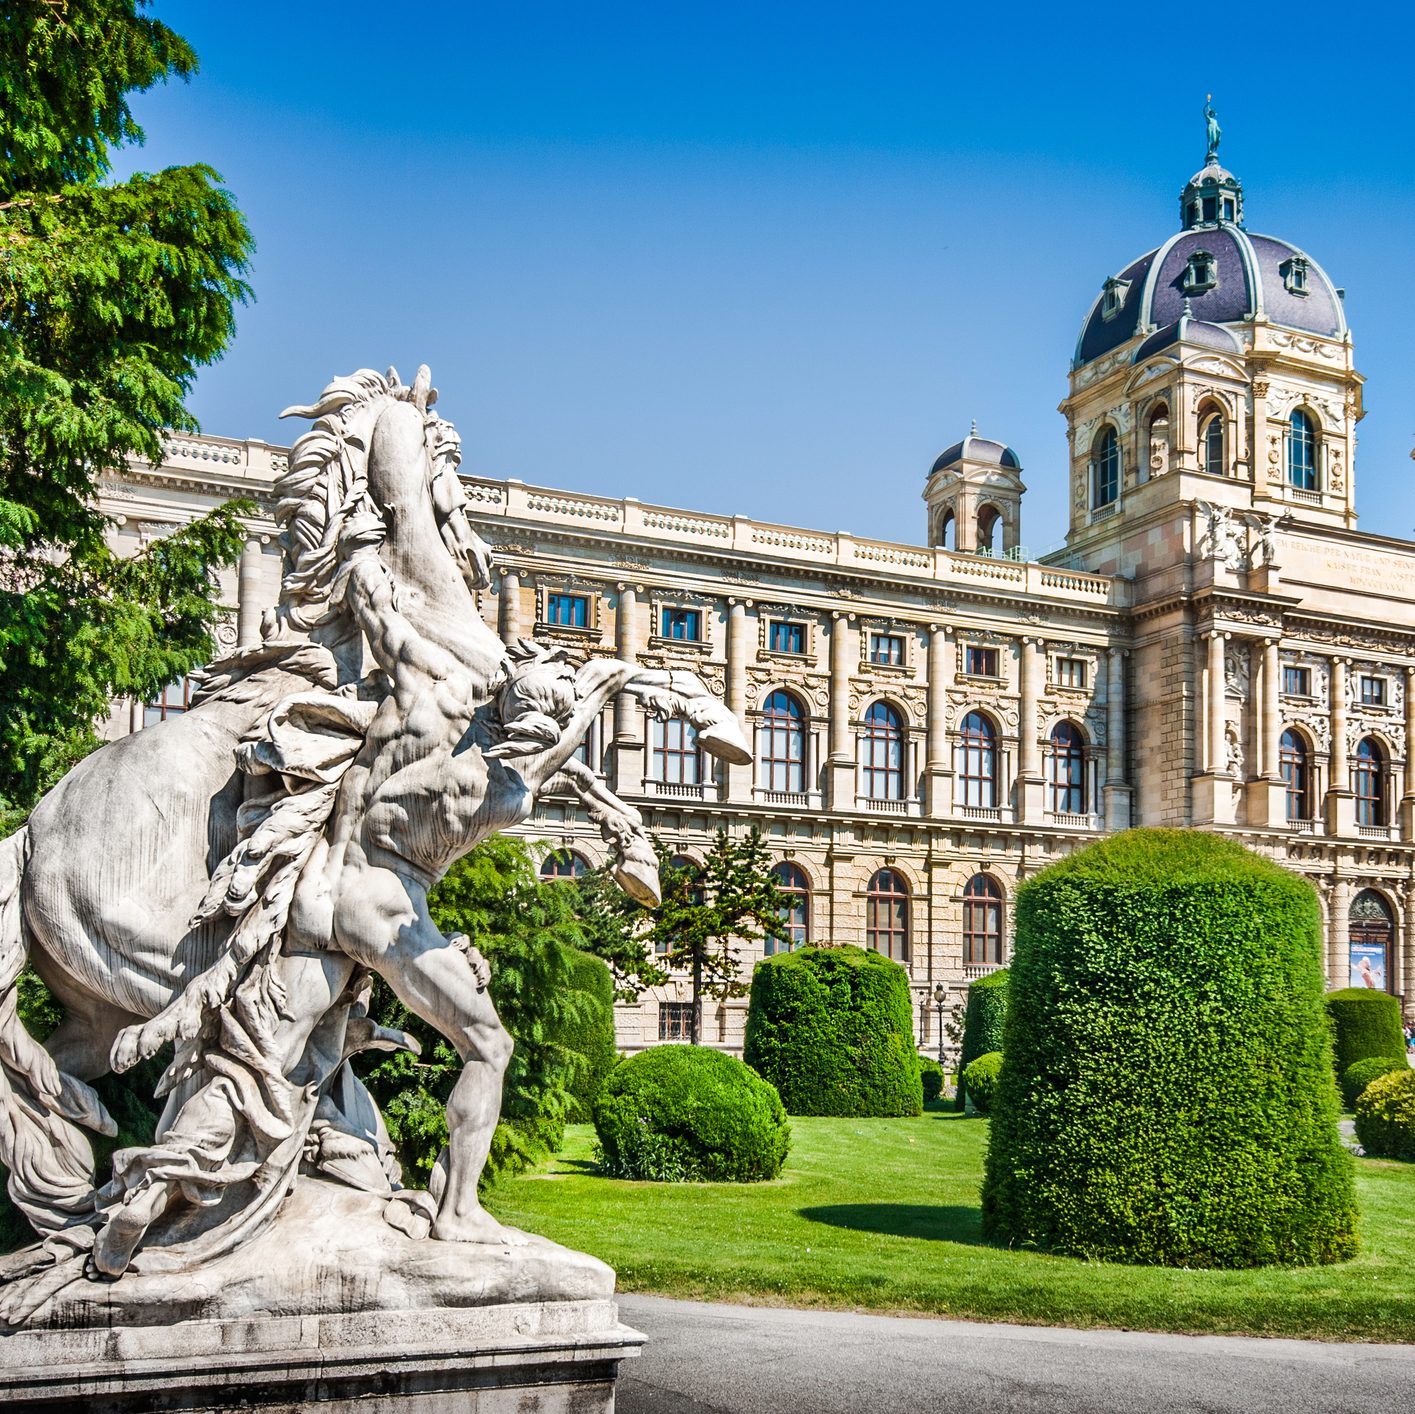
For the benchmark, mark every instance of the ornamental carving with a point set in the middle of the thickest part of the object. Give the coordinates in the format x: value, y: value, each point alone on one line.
x: 1314, y: 724
x: 1236, y: 670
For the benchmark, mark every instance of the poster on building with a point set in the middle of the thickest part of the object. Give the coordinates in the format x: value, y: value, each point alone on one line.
x: 1368, y: 966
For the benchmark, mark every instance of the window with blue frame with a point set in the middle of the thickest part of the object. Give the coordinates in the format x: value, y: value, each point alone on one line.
x: 686, y: 625
x: 567, y: 610
x: 786, y: 637
x: 1105, y: 470
x: 1301, y: 452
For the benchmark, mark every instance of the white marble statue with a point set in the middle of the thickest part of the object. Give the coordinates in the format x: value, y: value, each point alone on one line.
x: 230, y: 879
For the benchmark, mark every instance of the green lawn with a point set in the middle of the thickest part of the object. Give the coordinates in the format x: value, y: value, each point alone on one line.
x: 883, y: 1214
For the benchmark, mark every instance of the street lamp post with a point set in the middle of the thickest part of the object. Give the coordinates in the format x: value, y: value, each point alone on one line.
x: 940, y: 997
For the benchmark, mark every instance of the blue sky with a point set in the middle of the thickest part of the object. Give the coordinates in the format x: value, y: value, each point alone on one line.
x: 770, y: 259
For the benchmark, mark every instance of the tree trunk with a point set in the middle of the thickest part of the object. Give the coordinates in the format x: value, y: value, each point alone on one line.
x: 695, y: 1020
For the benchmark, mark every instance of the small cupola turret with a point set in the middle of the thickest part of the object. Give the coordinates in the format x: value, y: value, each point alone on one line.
x: 1213, y: 195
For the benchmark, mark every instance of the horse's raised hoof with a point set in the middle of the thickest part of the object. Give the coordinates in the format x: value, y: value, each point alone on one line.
x: 639, y: 879
x: 411, y: 1211
x: 722, y: 737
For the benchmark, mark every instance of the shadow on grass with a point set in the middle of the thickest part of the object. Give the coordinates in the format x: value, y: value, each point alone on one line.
x: 931, y: 1222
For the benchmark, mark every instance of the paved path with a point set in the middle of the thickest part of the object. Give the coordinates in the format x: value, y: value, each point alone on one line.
x: 704, y: 1359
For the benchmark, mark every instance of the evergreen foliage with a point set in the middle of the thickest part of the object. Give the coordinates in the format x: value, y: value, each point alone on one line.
x: 615, y: 930
x: 930, y: 1078
x: 980, y: 1080
x: 983, y: 1022
x: 689, y: 1114
x: 112, y: 296
x: 832, y: 1029
x: 590, y: 1035
x: 1359, y: 1074
x: 1365, y: 1023
x: 1385, y: 1116
x: 1166, y: 1091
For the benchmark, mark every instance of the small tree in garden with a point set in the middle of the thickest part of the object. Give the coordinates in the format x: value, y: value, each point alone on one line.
x: 1166, y: 1089
x: 616, y: 930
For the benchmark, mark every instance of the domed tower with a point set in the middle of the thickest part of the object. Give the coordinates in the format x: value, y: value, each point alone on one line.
x: 1215, y: 369
x: 974, y: 496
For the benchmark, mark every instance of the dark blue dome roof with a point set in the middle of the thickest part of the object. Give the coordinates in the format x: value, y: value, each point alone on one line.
x: 1188, y: 331
x: 1251, y: 280
x: 977, y: 449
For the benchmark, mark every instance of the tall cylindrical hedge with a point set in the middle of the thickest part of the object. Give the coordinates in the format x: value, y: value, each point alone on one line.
x: 1365, y: 1023
x: 590, y: 1034
x: 982, y: 1022
x: 832, y: 1029
x: 1166, y: 1093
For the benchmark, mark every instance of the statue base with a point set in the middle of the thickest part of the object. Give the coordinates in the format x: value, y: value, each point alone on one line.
x: 331, y: 1310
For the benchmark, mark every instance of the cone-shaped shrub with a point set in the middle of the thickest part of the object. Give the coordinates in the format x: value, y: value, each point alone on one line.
x: 1365, y: 1023
x: 1166, y: 1093
x: 980, y: 1081
x: 832, y: 1029
x: 590, y: 1033
x: 982, y: 1022
x: 1359, y: 1074
x: 1385, y: 1116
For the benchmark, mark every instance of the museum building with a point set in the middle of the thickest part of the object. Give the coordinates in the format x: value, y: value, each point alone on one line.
x: 1217, y: 645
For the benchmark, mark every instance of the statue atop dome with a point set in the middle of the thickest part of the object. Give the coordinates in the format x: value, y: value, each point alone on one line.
x: 1215, y: 133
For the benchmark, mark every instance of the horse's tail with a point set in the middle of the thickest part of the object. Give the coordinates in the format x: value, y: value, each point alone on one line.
x: 50, y: 1161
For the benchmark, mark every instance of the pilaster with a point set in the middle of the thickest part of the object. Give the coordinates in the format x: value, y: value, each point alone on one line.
x: 840, y: 764
x: 1118, y: 794
x: 938, y: 774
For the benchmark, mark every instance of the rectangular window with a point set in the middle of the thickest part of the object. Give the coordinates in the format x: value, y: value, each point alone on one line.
x: 675, y: 1021
x: 686, y: 625
x: 567, y: 610
x: 980, y: 662
x: 676, y: 758
x: 1071, y: 672
x: 887, y: 648
x: 1373, y: 692
x: 173, y: 701
x: 1296, y: 682
x: 783, y: 637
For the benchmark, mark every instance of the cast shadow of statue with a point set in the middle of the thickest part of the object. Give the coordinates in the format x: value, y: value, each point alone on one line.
x: 932, y: 1222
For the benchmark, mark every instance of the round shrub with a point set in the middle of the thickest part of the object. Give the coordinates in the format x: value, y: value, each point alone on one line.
x: 1359, y: 1074
x: 930, y: 1078
x: 1385, y: 1116
x: 983, y: 1021
x: 1166, y: 1092
x: 980, y: 1081
x: 832, y: 1029
x: 689, y: 1113
x: 590, y: 1034
x: 1365, y: 1023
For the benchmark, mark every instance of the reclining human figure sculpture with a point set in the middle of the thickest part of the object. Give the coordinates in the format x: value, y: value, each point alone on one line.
x: 229, y: 880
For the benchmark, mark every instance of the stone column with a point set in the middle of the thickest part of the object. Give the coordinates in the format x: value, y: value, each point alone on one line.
x: 1217, y: 748
x: 738, y: 779
x: 624, y: 761
x: 840, y: 769
x: 1407, y: 804
x: 248, y: 595
x: 1117, y: 792
x: 1267, y: 797
x: 1339, y: 934
x: 1258, y: 760
x: 1031, y: 798
x: 938, y: 770
x: 1341, y: 799
x: 509, y: 607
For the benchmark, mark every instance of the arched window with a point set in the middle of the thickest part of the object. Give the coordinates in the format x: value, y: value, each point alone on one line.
x: 563, y: 864
x: 676, y: 758
x: 887, y: 915
x: 1067, y: 770
x: 977, y: 763
x: 781, y: 743
x: 1105, y: 470
x: 1301, y: 452
x: 948, y: 531
x: 990, y: 531
x: 1368, y: 780
x: 1211, y: 442
x: 882, y: 754
x: 1371, y: 930
x: 796, y: 912
x: 982, y: 921
x: 1295, y: 762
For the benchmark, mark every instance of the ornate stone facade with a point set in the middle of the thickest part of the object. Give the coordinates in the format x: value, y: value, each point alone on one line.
x: 1217, y: 646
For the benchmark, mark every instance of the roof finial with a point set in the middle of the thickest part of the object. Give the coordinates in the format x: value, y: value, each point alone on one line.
x: 1188, y: 307
x: 1215, y: 133
x: 973, y: 432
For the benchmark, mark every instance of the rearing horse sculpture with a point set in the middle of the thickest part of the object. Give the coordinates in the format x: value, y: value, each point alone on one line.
x: 225, y: 880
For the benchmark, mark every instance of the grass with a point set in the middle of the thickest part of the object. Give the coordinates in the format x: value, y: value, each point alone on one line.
x: 883, y: 1215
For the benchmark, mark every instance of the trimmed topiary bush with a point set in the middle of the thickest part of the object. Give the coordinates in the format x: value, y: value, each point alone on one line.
x: 930, y: 1078
x: 832, y: 1029
x: 1166, y: 1092
x: 980, y: 1081
x: 1359, y: 1074
x: 1385, y: 1116
x: 688, y: 1113
x: 1365, y: 1023
x: 590, y: 1034
x: 983, y: 1021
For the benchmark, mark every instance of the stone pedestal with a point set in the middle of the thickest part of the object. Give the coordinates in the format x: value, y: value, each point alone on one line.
x: 331, y: 1311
